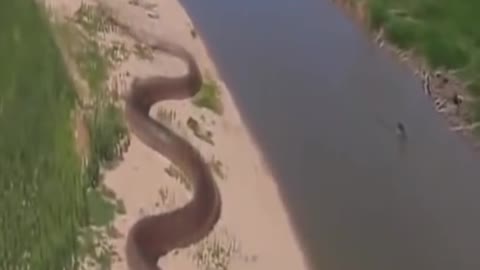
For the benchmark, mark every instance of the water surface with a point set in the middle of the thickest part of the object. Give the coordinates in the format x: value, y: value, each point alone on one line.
x: 323, y: 103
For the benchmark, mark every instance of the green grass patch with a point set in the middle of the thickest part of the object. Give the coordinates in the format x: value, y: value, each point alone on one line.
x: 445, y: 32
x: 101, y: 210
x: 44, y: 203
x: 403, y: 31
x: 106, y: 130
x: 209, y: 97
x: 378, y: 14
x: 42, y: 193
x: 95, y: 248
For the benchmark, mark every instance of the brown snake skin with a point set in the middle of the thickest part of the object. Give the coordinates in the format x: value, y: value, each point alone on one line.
x: 154, y: 236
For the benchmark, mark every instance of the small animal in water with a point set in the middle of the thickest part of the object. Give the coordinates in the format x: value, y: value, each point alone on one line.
x: 457, y: 99
x: 401, y: 131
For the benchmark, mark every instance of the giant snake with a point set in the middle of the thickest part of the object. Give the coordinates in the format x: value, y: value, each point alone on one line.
x: 152, y: 237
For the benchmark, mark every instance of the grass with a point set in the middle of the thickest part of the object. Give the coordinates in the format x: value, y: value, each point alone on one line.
x: 42, y: 195
x: 94, y: 246
x: 105, y: 123
x: 101, y: 211
x: 209, y: 97
x: 442, y: 30
x: 445, y: 32
x: 106, y: 128
x: 45, y: 197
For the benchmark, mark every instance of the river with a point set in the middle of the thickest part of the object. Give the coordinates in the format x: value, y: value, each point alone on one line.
x: 323, y: 102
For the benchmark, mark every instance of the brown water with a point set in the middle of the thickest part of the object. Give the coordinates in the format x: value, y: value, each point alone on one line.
x: 323, y: 104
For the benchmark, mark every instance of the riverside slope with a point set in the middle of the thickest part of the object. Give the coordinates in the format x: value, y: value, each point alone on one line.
x: 254, y: 218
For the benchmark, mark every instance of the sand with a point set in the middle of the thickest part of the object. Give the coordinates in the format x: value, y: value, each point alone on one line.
x: 254, y: 231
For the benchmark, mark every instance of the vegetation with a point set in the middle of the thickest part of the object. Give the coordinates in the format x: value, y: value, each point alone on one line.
x: 166, y: 116
x: 200, y: 132
x: 143, y: 52
x: 219, y: 250
x: 93, y: 20
x: 45, y: 199
x: 106, y: 129
x: 217, y: 167
x: 104, y: 121
x: 95, y: 248
x: 178, y: 175
x: 42, y: 195
x: 443, y: 31
x: 209, y: 97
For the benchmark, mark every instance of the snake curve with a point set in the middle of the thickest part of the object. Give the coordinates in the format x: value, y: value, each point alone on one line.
x: 152, y: 237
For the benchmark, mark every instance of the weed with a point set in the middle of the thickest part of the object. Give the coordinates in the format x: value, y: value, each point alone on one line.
x: 217, y: 167
x: 218, y: 251
x: 120, y: 207
x: 143, y: 52
x: 117, y: 52
x: 174, y: 172
x: 95, y: 249
x: 93, y: 20
x: 163, y: 192
x: 166, y: 117
x: 199, y: 132
x: 209, y: 97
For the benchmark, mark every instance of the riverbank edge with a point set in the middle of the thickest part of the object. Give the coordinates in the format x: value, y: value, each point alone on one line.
x: 443, y: 95
x: 298, y: 241
x: 282, y: 202
x: 266, y: 224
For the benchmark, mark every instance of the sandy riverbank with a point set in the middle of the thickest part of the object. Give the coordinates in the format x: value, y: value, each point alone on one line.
x: 254, y: 231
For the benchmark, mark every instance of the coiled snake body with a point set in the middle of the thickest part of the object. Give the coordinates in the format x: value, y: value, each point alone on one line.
x: 154, y: 236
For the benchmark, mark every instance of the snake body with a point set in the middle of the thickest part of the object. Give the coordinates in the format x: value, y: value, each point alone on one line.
x: 154, y: 236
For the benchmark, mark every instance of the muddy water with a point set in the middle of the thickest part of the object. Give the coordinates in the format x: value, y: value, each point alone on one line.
x: 323, y: 104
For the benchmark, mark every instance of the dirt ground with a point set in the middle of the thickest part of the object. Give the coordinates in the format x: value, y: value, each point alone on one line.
x: 254, y: 231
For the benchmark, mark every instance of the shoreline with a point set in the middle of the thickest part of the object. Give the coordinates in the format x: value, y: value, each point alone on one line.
x: 439, y: 85
x: 255, y: 228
